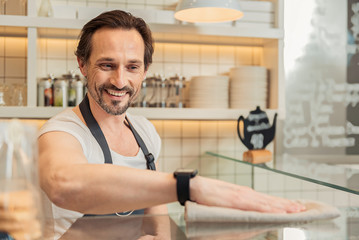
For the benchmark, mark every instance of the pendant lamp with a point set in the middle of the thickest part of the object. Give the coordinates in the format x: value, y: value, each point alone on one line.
x: 208, y: 11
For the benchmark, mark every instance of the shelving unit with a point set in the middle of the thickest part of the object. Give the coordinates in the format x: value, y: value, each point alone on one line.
x: 34, y: 28
x: 150, y: 113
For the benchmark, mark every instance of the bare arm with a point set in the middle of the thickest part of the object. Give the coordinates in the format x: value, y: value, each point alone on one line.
x: 213, y: 192
x: 72, y: 183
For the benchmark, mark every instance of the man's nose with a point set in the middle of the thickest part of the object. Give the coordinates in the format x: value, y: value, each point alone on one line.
x: 119, y: 78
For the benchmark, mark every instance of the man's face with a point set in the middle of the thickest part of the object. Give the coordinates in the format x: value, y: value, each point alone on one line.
x: 115, y: 68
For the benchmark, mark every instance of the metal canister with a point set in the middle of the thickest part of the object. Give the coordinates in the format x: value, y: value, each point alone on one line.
x: 61, y: 93
x: 79, y: 86
x: 45, y: 94
x: 72, y: 93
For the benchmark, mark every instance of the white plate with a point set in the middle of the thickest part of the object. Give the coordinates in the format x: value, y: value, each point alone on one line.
x: 247, y: 93
x: 213, y: 100
x: 248, y: 69
x: 248, y: 79
x: 209, y: 96
x: 209, y: 85
x: 219, y: 92
x: 247, y: 89
x: 247, y: 103
x: 210, y: 77
x: 209, y: 92
x: 235, y: 96
x: 208, y: 106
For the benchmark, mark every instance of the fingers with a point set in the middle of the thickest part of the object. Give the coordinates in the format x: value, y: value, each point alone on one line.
x: 250, y: 200
x: 146, y: 237
x: 213, y: 192
x: 261, y: 202
x: 289, y: 206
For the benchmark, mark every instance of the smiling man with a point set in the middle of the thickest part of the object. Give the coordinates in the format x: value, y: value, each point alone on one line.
x: 96, y: 157
x: 115, y: 68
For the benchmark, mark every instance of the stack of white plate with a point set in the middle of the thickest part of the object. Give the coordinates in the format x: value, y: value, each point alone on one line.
x: 248, y: 87
x: 209, y: 92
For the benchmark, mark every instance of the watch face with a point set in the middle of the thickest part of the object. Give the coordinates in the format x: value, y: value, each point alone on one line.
x: 184, y: 171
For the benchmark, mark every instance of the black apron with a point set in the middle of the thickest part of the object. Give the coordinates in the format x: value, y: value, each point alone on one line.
x: 100, y: 138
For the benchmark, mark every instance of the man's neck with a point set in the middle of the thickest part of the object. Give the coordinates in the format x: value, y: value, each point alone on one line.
x: 106, y: 121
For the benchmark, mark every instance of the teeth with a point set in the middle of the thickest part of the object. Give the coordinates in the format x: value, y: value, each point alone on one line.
x: 117, y: 94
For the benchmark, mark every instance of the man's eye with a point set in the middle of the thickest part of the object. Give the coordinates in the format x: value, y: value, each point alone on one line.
x: 133, y: 67
x: 106, y: 66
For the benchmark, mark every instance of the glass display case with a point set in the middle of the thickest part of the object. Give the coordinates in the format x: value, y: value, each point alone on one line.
x: 318, y: 169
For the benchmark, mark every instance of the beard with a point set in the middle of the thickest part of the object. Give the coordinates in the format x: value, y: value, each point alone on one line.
x: 113, y: 107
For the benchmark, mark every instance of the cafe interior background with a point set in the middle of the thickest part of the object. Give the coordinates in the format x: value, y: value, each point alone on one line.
x: 309, y: 50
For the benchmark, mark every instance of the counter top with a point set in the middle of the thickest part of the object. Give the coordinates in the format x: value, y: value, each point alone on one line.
x: 174, y: 226
x: 278, y: 181
x: 115, y: 227
x: 142, y: 227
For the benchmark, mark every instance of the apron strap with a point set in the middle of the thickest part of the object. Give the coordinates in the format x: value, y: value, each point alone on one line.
x: 150, y: 159
x: 95, y: 129
x: 100, y: 138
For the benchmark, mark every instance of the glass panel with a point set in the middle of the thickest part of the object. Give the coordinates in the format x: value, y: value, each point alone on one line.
x: 293, y: 180
x: 216, y: 167
x: 339, y: 176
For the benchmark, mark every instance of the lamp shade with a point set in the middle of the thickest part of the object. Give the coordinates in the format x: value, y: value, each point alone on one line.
x: 208, y: 10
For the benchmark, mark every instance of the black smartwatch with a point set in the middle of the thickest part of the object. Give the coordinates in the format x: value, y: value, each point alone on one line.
x: 183, y: 176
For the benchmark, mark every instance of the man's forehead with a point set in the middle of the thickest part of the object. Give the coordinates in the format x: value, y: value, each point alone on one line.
x: 106, y: 36
x: 104, y: 45
x: 116, y: 31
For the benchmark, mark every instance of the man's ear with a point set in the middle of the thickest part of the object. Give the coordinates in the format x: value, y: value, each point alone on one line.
x: 82, y: 66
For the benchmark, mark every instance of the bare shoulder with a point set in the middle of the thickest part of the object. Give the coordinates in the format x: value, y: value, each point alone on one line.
x: 60, y: 146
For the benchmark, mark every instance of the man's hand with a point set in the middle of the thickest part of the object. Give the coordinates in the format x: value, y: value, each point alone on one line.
x: 213, y: 192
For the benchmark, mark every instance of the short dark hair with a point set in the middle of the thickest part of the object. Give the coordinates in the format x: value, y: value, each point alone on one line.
x: 114, y: 19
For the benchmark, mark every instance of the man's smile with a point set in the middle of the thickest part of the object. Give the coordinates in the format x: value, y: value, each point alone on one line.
x: 115, y: 93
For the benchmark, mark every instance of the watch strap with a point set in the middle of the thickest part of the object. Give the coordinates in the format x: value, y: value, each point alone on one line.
x: 183, y: 188
x: 183, y: 177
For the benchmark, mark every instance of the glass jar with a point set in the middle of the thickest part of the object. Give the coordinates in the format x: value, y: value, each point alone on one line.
x: 153, y: 91
x: 180, y: 92
x: 172, y: 88
x: 61, y: 93
x: 163, y: 85
x: 75, y: 88
x: 21, y: 212
x: 2, y: 99
x: 46, y: 9
x: 176, y: 92
x: 146, y: 93
x: 45, y: 93
x: 19, y: 94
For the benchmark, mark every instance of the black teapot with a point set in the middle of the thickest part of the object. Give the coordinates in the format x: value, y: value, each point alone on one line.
x: 257, y: 132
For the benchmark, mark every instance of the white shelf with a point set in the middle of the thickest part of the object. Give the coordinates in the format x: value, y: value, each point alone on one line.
x: 177, y: 28
x: 150, y: 113
x: 165, y: 29
x: 40, y: 22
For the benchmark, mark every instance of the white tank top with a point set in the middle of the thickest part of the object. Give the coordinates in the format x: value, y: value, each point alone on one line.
x: 67, y: 121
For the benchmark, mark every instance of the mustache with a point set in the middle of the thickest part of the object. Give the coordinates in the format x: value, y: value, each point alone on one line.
x: 128, y: 89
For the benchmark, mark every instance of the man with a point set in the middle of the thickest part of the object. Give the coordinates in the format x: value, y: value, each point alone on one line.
x: 114, y: 53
